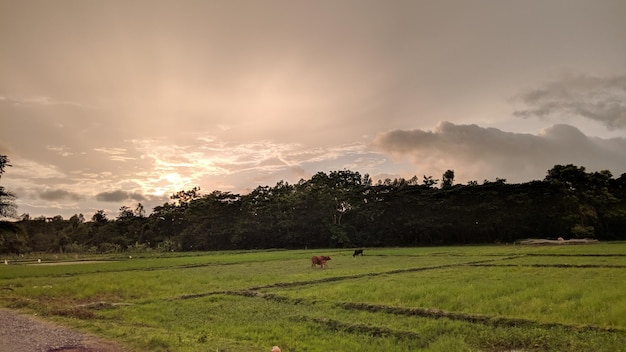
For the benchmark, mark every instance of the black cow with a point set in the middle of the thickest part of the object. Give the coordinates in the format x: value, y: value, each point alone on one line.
x: 357, y: 252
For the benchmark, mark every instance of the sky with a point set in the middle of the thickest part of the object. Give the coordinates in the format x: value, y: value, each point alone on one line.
x: 111, y: 103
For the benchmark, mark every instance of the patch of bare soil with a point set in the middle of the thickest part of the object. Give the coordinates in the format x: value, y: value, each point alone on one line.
x: 26, y: 333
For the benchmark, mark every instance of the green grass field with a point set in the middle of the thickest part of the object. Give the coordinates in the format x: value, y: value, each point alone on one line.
x: 474, y: 298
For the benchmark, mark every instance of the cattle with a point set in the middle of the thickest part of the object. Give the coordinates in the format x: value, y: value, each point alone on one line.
x: 319, y: 260
x: 357, y: 252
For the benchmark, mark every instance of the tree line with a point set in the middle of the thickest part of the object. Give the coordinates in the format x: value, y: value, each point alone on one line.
x: 345, y: 209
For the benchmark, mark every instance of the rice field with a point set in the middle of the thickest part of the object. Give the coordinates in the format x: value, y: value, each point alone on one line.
x: 471, y: 298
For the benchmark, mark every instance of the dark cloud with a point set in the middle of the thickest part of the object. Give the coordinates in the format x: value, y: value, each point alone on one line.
x: 190, y: 106
x: 478, y: 153
x: 119, y: 196
x: 602, y: 99
x: 138, y: 197
x: 59, y: 194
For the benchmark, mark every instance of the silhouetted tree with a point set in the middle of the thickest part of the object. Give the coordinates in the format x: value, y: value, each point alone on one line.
x: 447, y: 179
x: 429, y: 182
x: 341, y: 209
x: 8, y: 209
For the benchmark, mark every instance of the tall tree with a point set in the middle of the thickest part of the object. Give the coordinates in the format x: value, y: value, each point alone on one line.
x: 591, y: 205
x: 12, y: 238
x: 140, y: 211
x: 4, y: 161
x: 447, y: 179
x: 429, y: 182
x: 8, y: 209
x: 99, y: 217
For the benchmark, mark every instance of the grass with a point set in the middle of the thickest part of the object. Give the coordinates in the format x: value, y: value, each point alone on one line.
x: 474, y: 298
x: 556, y: 296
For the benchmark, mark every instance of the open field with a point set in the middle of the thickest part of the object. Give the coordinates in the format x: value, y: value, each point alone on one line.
x: 475, y: 298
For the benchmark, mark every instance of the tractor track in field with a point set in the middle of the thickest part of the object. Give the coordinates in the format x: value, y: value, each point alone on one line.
x: 477, y: 263
x: 581, y: 266
x: 433, y: 313
x: 574, y: 255
x: 480, y: 263
x: 156, y: 268
x: 339, y: 278
x: 49, y: 337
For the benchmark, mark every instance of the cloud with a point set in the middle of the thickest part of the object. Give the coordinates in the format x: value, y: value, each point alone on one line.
x: 112, y: 151
x: 58, y: 194
x: 119, y: 196
x: 477, y: 153
x: 601, y: 99
x: 61, y: 150
x: 38, y: 100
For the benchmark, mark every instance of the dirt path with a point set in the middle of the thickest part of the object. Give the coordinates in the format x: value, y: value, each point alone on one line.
x: 24, y: 333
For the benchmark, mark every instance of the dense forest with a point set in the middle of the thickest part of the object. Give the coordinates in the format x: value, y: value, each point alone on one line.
x: 343, y: 209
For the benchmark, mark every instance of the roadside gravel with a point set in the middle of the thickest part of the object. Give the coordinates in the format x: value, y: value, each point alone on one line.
x: 26, y: 333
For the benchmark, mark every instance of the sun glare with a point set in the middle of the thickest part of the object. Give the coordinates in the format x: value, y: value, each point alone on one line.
x: 175, y: 180
x: 168, y: 183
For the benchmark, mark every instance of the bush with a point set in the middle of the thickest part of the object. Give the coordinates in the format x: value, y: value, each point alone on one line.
x: 580, y: 231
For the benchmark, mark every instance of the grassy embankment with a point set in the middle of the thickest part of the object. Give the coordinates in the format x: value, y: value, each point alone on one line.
x: 482, y: 298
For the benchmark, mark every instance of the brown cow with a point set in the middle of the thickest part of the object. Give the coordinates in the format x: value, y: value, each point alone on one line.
x: 319, y: 260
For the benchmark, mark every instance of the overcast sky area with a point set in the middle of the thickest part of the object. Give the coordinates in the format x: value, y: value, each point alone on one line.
x: 105, y: 103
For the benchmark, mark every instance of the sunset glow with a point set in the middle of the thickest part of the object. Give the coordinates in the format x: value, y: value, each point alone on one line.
x: 104, y: 104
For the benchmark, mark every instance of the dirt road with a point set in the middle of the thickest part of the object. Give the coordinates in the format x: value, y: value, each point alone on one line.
x: 24, y: 333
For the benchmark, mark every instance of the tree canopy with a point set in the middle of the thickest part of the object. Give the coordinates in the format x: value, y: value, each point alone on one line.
x: 7, y: 199
x: 344, y: 209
